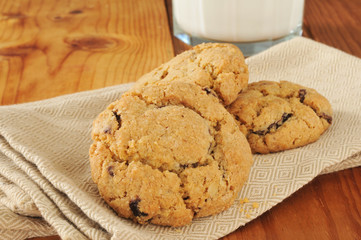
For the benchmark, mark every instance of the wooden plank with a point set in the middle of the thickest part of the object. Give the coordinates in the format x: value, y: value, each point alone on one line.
x: 335, y: 23
x: 49, y: 48
x: 327, y: 208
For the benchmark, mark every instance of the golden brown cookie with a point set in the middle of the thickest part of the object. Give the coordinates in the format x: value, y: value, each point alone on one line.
x: 218, y: 68
x: 168, y: 153
x: 278, y: 116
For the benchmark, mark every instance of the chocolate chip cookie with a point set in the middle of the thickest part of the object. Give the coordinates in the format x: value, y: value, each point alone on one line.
x: 278, y: 116
x: 167, y: 153
x: 218, y: 68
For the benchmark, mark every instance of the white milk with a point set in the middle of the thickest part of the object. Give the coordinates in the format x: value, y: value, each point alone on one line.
x: 238, y: 20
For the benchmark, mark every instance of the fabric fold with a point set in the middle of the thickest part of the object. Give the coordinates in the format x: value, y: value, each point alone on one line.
x: 63, y: 215
x: 14, y: 198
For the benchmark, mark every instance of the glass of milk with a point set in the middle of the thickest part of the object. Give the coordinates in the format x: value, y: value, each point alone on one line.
x: 252, y: 25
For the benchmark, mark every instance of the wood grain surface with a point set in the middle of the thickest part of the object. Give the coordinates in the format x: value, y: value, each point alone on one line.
x: 50, y: 48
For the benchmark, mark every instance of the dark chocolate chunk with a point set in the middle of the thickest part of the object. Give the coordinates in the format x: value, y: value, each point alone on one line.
x: 194, y: 165
x: 302, y: 94
x: 118, y: 117
x: 210, y: 91
x: 275, y: 125
x: 326, y: 117
x: 211, y: 149
x: 217, y: 127
x: 260, y: 132
x: 133, y: 205
x: 110, y: 171
x: 285, y: 117
x: 272, y: 125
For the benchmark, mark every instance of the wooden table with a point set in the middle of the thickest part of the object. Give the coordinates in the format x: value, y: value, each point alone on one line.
x: 50, y: 48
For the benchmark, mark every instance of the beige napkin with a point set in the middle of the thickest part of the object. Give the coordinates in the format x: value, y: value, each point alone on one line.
x: 44, y: 155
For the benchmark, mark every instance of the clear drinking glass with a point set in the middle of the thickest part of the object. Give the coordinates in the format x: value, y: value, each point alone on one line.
x: 252, y: 25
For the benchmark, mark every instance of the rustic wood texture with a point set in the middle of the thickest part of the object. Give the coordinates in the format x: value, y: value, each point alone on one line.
x: 336, y: 23
x: 49, y: 48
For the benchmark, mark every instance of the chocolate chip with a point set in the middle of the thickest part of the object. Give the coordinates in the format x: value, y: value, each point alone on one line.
x: 186, y: 198
x: 110, y: 171
x: 326, y: 117
x: 133, y: 205
x: 211, y: 150
x: 260, y: 132
x: 217, y: 127
x: 194, y: 165
x: 302, y: 94
x: 275, y: 125
x: 285, y: 117
x: 118, y: 117
x: 210, y: 91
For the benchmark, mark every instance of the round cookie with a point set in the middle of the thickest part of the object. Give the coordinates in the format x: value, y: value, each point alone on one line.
x: 219, y: 68
x: 167, y: 154
x: 278, y: 116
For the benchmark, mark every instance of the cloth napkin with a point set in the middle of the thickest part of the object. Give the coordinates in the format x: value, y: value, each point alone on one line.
x: 45, y: 182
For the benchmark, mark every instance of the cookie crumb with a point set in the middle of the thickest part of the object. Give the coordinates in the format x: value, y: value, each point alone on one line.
x: 255, y: 205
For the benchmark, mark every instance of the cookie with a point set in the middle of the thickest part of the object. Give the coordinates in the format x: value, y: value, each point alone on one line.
x: 278, y: 116
x: 218, y: 68
x: 167, y: 154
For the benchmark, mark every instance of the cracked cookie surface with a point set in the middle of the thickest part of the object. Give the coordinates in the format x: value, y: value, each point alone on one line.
x: 219, y: 68
x: 277, y: 116
x: 167, y: 153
